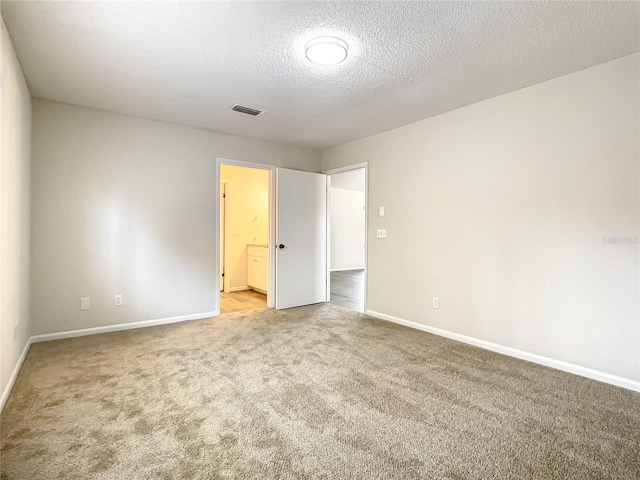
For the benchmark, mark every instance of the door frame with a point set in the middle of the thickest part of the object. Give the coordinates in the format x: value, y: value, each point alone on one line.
x: 328, y: 173
x: 222, y: 236
x: 272, y: 230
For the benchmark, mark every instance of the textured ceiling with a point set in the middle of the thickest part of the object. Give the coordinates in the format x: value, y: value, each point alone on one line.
x: 188, y: 62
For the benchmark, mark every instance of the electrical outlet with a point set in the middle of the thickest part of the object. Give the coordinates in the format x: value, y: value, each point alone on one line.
x: 118, y: 300
x: 436, y: 302
x: 381, y: 233
x: 85, y: 303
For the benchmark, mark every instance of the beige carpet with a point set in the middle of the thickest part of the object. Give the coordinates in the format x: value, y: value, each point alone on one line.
x: 316, y: 392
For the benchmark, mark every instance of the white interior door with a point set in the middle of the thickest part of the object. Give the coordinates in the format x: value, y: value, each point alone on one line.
x: 301, y: 238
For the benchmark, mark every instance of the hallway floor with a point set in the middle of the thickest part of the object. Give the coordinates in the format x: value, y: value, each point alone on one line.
x: 347, y: 289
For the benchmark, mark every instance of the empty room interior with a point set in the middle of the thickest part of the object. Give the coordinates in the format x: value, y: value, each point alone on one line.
x: 320, y: 240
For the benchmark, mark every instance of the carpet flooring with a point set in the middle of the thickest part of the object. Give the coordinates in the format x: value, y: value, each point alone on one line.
x: 316, y: 392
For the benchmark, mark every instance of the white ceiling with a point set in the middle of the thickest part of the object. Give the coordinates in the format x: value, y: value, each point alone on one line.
x: 188, y: 62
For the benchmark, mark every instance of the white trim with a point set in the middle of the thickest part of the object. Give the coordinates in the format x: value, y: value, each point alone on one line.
x: 347, y: 269
x: 227, y: 191
x: 121, y: 326
x: 328, y: 237
x: 14, y: 375
x: 238, y: 289
x: 512, y: 352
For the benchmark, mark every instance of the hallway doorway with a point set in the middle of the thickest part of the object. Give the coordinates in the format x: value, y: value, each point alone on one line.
x: 347, y: 238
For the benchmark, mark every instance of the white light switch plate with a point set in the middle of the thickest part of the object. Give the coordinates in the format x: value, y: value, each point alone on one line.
x: 381, y: 210
x: 436, y: 302
x: 85, y: 303
x: 382, y: 233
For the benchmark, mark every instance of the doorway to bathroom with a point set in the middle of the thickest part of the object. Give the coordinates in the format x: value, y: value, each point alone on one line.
x: 244, y: 237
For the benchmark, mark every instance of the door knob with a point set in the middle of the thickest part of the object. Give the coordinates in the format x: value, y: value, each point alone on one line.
x: 281, y: 246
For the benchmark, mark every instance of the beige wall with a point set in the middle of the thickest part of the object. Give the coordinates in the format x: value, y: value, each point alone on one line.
x: 123, y: 205
x: 500, y: 209
x: 247, y: 199
x: 15, y: 128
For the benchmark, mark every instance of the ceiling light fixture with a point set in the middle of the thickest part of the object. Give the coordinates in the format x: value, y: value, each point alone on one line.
x: 326, y: 50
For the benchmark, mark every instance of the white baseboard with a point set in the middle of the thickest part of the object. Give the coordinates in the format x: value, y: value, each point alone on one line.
x: 238, y: 289
x: 512, y: 352
x: 122, y: 326
x: 14, y: 375
x: 345, y: 269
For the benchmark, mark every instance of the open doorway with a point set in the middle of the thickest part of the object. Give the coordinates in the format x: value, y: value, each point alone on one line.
x: 347, y: 238
x: 297, y: 274
x: 244, y: 238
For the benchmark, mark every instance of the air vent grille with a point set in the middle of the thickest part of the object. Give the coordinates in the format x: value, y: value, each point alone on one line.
x: 254, y: 112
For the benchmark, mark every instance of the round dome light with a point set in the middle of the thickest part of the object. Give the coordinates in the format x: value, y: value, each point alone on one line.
x: 326, y: 50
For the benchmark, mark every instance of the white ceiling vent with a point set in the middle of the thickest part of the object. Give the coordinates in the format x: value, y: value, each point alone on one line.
x: 254, y: 112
